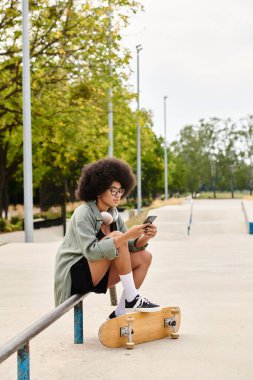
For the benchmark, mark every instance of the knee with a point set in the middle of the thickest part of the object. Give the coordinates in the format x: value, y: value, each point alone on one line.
x: 147, y: 257
x: 115, y: 233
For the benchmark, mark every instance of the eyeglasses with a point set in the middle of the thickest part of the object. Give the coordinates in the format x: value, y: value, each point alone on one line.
x: 114, y: 191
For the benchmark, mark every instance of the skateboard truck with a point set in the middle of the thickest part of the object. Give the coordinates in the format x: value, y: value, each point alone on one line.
x: 171, y: 322
x: 128, y: 331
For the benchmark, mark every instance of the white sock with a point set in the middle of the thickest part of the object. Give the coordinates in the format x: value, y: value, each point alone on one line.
x: 120, y: 309
x: 127, y: 281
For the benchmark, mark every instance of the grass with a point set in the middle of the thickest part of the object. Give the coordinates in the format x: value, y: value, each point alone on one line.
x: 248, y: 197
x: 223, y: 195
x: 139, y: 218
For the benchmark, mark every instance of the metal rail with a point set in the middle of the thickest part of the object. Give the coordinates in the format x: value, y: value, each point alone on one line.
x: 245, y: 216
x: 20, y: 342
x: 190, y: 219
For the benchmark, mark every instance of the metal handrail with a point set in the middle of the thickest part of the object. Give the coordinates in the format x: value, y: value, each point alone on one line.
x: 20, y: 342
x: 190, y: 219
x: 245, y: 215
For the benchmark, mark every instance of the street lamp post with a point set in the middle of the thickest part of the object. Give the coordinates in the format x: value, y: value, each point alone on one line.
x: 113, y: 290
x: 27, y: 136
x: 138, y: 49
x: 165, y: 153
x: 110, y: 105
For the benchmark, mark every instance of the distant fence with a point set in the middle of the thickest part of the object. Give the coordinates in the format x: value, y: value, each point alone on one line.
x: 20, y: 343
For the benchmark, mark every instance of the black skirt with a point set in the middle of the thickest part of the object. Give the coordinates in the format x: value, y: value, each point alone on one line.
x: 81, y: 275
x: 82, y: 280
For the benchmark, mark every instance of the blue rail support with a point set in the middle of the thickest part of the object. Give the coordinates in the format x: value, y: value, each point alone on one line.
x: 24, y: 363
x: 20, y: 343
x: 78, y: 323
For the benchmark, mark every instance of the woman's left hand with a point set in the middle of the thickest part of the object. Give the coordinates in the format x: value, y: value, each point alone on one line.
x: 150, y: 231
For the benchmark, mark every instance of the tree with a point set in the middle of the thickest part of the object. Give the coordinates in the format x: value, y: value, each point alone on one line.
x: 69, y: 78
x: 228, y: 152
x: 246, y: 148
x: 189, y: 150
x: 209, y: 132
x: 176, y: 170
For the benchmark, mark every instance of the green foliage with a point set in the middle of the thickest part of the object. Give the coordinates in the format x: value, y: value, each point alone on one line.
x: 71, y: 46
x: 190, y: 158
x: 48, y: 215
x: 16, y: 220
x: 3, y: 224
x: 15, y: 224
x: 213, y: 155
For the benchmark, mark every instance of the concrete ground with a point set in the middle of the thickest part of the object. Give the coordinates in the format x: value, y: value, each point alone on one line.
x: 207, y: 273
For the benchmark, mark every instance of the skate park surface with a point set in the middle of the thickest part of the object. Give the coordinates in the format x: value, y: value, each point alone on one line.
x: 207, y: 273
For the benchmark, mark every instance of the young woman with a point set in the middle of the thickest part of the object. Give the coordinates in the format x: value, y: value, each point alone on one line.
x: 98, y: 251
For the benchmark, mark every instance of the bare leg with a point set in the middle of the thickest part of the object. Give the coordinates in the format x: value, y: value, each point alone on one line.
x: 140, y: 262
x: 122, y: 263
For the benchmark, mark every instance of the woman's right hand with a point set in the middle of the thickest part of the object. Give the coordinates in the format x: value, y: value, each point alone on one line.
x: 136, y: 231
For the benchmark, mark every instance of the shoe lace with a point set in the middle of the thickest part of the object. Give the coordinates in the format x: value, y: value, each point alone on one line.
x: 144, y: 301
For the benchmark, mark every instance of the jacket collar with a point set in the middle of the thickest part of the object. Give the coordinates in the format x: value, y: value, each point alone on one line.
x: 95, y: 210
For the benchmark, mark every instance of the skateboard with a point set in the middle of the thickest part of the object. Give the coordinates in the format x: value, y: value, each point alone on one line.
x: 135, y: 328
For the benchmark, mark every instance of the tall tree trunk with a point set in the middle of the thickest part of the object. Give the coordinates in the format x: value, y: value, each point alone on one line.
x: 214, y: 189
x: 1, y: 201
x: 6, y: 200
x: 232, y: 185
x: 2, y: 187
x: 63, y: 208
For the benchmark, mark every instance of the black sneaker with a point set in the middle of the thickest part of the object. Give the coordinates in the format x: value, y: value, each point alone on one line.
x: 112, y: 315
x: 141, y: 304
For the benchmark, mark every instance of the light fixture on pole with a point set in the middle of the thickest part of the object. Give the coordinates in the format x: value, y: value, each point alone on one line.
x: 165, y: 152
x: 138, y: 49
x: 27, y: 135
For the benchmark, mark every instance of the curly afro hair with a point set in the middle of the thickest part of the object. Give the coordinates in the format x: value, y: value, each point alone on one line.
x: 98, y: 176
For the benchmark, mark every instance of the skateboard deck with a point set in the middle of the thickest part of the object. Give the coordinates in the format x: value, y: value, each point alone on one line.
x: 135, y: 328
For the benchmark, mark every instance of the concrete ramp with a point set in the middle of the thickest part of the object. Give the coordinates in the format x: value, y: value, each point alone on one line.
x: 209, y: 217
x: 217, y: 217
x: 172, y: 221
x: 208, y: 274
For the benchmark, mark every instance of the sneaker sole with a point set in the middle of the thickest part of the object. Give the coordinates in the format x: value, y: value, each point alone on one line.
x: 144, y: 310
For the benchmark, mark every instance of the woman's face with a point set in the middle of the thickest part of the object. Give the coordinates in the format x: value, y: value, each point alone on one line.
x: 110, y: 197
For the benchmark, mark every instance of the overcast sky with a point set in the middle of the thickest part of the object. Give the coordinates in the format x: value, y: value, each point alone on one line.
x: 200, y: 54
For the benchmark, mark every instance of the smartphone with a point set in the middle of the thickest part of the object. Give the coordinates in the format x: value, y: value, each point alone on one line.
x: 149, y: 219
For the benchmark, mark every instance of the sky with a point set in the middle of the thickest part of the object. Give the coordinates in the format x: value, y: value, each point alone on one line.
x: 199, y: 54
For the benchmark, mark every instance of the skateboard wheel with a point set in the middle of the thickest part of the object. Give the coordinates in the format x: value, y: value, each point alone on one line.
x: 130, y: 345
x: 174, y: 336
x: 175, y: 311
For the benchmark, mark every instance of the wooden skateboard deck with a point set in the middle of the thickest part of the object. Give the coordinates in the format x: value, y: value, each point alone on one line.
x: 136, y: 328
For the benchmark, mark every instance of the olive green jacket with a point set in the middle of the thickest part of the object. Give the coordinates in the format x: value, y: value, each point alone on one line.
x: 80, y: 240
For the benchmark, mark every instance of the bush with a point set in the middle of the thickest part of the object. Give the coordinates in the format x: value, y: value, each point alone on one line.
x: 16, y: 227
x: 9, y: 226
x: 69, y: 214
x: 48, y: 215
x: 3, y: 224
x: 15, y: 220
